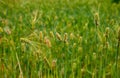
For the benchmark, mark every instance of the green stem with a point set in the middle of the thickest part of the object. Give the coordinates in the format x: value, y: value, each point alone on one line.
x: 117, y: 59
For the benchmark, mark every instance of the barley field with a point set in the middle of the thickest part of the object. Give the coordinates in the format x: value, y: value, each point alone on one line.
x: 59, y: 39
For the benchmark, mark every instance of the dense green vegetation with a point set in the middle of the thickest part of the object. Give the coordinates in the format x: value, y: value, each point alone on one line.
x: 59, y: 39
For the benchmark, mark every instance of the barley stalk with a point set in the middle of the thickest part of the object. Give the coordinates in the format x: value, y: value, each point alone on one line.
x: 21, y: 73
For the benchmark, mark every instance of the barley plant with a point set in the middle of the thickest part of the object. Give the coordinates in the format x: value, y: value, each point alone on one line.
x: 59, y: 39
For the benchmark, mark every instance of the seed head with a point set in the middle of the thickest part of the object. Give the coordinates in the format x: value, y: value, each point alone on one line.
x: 93, y: 75
x: 74, y: 45
x: 58, y: 36
x: 41, y: 35
x: 44, y: 32
x: 96, y: 19
x: 86, y: 41
x: 12, y: 43
x: 21, y: 75
x: 65, y: 37
x: 80, y: 49
x: 107, y: 32
x: 56, y: 17
x: 83, y: 70
x: 69, y: 24
x: 62, y: 72
x: 63, y: 55
x: 80, y: 39
x: 101, y: 48
x: 1, y: 30
x: 74, y: 65
x: 72, y: 36
x: 112, y: 22
x: 51, y: 34
x: 5, y: 22
x: 46, y: 61
x: 94, y: 56
x: 47, y: 42
x: 25, y: 40
x: 20, y: 18
x: 23, y: 47
x: 107, y: 44
x: 54, y: 63
x: 7, y: 30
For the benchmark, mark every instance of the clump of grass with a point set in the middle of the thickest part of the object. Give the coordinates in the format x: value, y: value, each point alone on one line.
x: 31, y: 46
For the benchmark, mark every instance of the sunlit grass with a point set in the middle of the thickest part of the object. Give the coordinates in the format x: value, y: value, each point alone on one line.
x: 59, y: 39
